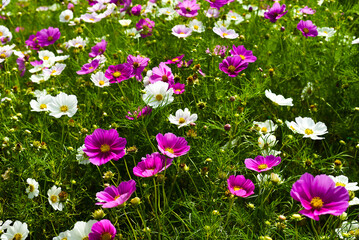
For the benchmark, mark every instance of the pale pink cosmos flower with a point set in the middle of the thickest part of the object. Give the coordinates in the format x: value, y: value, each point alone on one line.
x: 181, y: 31
x: 225, y: 33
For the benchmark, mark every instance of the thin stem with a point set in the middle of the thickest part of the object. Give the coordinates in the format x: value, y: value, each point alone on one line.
x: 229, y: 211
x: 118, y: 172
x: 129, y: 222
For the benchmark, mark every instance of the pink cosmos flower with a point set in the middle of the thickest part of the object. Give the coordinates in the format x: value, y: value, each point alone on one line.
x: 184, y: 63
x: 162, y: 73
x: 171, y: 145
x: 275, y: 12
x: 89, y: 67
x: 46, y: 37
x: 212, y: 13
x: 188, y: 8
x: 32, y: 42
x: 181, y: 31
x: 307, y: 28
x: 98, y: 49
x: 175, y: 60
x: 262, y: 164
x: 307, y: 10
x: 233, y: 65
x: 136, y: 10
x: 118, y: 73
x: 151, y: 165
x: 104, y: 145
x: 145, y: 26
x: 319, y: 195
x: 102, y: 230
x: 225, y: 33
x: 178, y: 88
x: 139, y: 113
x: 245, y: 54
x: 239, y: 186
x: 218, y: 51
x: 138, y: 65
x: 113, y: 196
x: 217, y: 3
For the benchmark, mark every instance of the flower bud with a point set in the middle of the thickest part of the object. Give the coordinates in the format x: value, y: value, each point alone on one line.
x: 98, y: 214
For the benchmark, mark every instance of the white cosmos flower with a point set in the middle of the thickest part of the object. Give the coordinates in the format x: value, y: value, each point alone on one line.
x: 157, y: 94
x: 40, y: 105
x: 5, y: 52
x: 54, y: 198
x: 133, y: 33
x: 356, y: 41
x: 47, y: 57
x: 81, y: 157
x: 326, y: 32
x: 39, y: 78
x: 39, y: 93
x: 5, y: 34
x: 125, y: 22
x: 265, y: 127
x: 62, y: 236
x: 344, y: 182
x: 55, y: 70
x: 81, y: 230
x: 66, y: 16
x: 222, y: 23
x: 196, y: 26
x: 267, y: 141
x: 268, y: 152
x: 278, y: 99
x: 232, y: 16
x: 308, y: 128
x: 63, y: 104
x: 347, y: 230
x: 182, y: 118
x: 307, y: 91
x: 17, y: 231
x: 100, y: 80
x: 4, y: 225
x: 33, y: 189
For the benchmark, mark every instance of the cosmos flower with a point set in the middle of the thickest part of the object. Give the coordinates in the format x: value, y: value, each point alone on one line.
x: 66, y: 16
x: 233, y: 65
x: 98, y: 49
x: 188, y: 8
x: 136, y: 10
x: 118, y: 73
x: 308, y: 128
x: 307, y: 10
x: 239, y: 186
x: 89, y: 67
x: 181, y: 31
x: 225, y: 33
x: 40, y: 105
x: 246, y: 55
x: 178, y: 88
x: 217, y: 3
x: 100, y: 80
x: 158, y: 94
x: 33, y: 189
x: 18, y: 231
x: 5, y: 35
x: 275, y: 12
x: 138, y: 65
x: 62, y: 236
x: 103, y: 146
x: 326, y: 32
x: 162, y: 73
x: 212, y: 13
x: 182, y: 118
x: 267, y: 140
x: 262, y: 164
x: 278, y: 99
x: 46, y: 37
x: 265, y: 127
x: 63, y: 104
x: 139, y: 113
x: 54, y: 199
x: 175, y: 60
x: 81, y: 157
x: 102, y: 230
x: 113, y: 196
x: 171, y: 145
x: 319, y: 195
x: 145, y: 27
x: 81, y: 230
x: 151, y: 165
x: 196, y: 26
x: 307, y: 28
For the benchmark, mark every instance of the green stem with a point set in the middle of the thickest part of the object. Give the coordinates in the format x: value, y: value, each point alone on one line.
x: 229, y: 211
x: 129, y: 222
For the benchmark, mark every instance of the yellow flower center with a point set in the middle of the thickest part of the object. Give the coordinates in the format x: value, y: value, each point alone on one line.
x: 231, y: 69
x: 2, y: 55
x: 64, y: 108
x: 91, y: 19
x: 317, y: 203
x: 159, y: 97
x: 53, y: 72
x: 43, y: 106
x: 53, y: 198
x: 224, y: 34
x: 325, y: 32
x: 196, y: 27
x: 182, y: 33
x: 136, y: 64
x: 305, y: 30
x: 17, y: 236
x: 291, y: 127
x: 234, y: 17
x: 262, y: 166
x: 178, y: 90
x: 170, y: 150
x: 340, y: 184
x: 67, y: 17
x: 264, y: 129
x: 65, y: 238
x: 31, y: 188
x: 90, y: 68
x: 308, y: 131
x: 175, y: 59
x: 164, y: 78
x: 106, y: 236
x: 101, y: 82
x: 50, y: 38
x: 1, y: 34
x: 46, y: 58
x: 116, y: 74
x: 117, y: 197
x: 105, y: 148
x: 236, y: 188
x: 182, y: 120
x: 242, y: 56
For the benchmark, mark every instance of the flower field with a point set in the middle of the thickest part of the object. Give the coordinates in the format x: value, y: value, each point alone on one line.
x: 179, y: 119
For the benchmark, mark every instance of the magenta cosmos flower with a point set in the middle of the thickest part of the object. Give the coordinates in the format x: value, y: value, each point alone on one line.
x: 181, y: 31
x: 139, y: 113
x: 175, y: 60
x: 239, y: 186
x: 262, y: 164
x: 233, y: 65
x: 32, y: 42
x: 307, y: 28
x: 102, y: 230
x: 162, y: 73
x: 171, y: 145
x: 118, y: 73
x: 89, y: 67
x: 217, y: 3
x: 319, y: 195
x: 138, y: 65
x: 104, y: 145
x: 188, y: 8
x: 246, y: 55
x: 151, y: 165
x: 145, y: 26
x: 113, y: 196
x: 275, y: 12
x: 178, y: 88
x: 98, y: 49
x: 307, y: 10
x: 46, y: 37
